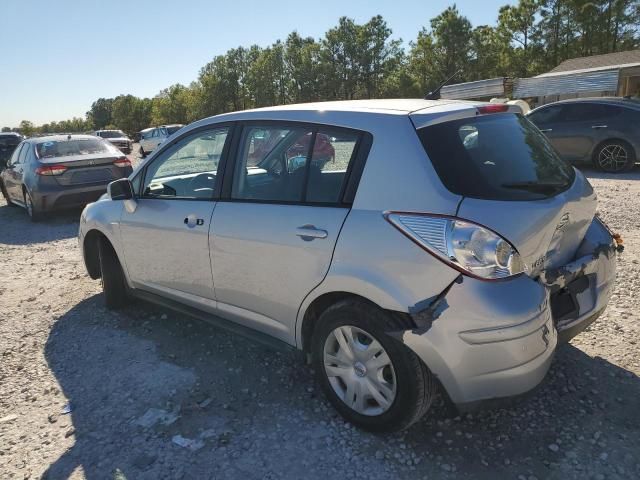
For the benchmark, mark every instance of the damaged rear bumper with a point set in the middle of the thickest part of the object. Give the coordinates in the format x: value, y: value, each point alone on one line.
x: 488, y: 340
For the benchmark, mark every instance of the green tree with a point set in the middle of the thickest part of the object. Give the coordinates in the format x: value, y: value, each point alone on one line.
x: 27, y: 128
x: 452, y: 43
x: 131, y: 113
x: 100, y: 113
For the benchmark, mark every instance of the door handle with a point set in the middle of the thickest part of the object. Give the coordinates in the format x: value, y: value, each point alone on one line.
x: 545, y: 130
x: 191, y: 221
x: 309, y: 232
x: 596, y: 127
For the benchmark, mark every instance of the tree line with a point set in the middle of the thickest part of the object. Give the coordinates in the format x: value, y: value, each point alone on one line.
x: 353, y: 61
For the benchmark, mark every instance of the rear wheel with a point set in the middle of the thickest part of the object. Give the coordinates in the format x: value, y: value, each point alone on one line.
x: 615, y: 156
x: 373, y: 380
x: 113, y: 281
x: 34, y: 213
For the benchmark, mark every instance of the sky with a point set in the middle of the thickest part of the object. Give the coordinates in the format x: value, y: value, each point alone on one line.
x: 58, y: 56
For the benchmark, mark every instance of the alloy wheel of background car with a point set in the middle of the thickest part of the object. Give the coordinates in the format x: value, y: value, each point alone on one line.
x: 359, y: 370
x: 614, y: 157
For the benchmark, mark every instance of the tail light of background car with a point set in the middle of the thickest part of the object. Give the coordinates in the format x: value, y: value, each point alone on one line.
x: 49, y: 170
x: 122, y: 162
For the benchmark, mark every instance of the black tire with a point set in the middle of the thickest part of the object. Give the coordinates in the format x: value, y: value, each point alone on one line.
x: 416, y: 387
x: 35, y: 215
x: 614, y: 156
x: 5, y: 194
x: 113, y: 281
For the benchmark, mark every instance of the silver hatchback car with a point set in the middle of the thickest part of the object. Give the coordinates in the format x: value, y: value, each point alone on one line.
x: 409, y: 247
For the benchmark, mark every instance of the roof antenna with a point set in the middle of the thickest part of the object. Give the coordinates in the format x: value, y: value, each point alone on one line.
x: 435, y: 94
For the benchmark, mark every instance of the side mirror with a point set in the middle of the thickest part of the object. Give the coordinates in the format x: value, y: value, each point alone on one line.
x: 121, y: 189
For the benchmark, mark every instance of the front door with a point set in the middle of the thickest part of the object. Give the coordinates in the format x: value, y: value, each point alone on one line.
x: 272, y: 241
x: 166, y: 238
x: 15, y: 171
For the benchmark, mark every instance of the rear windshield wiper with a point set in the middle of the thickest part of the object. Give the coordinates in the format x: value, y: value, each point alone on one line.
x: 534, y: 186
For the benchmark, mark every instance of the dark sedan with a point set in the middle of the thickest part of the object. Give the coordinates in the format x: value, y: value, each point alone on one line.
x: 61, y: 171
x: 601, y: 131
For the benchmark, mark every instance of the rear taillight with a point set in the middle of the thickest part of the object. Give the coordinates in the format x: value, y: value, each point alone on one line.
x: 122, y: 162
x: 471, y: 249
x: 51, y: 170
x: 493, y: 108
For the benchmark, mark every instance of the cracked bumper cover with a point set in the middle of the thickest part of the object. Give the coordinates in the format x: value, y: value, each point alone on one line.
x: 487, y: 340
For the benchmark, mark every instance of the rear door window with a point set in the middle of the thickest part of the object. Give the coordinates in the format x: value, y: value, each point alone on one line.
x: 294, y: 164
x: 495, y: 157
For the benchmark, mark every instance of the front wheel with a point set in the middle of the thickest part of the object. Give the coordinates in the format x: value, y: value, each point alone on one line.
x: 373, y: 380
x: 615, y: 156
x: 113, y: 281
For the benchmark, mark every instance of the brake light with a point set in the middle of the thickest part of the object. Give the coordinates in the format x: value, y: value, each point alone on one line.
x: 469, y: 248
x: 49, y: 170
x: 122, y: 162
x: 493, y: 108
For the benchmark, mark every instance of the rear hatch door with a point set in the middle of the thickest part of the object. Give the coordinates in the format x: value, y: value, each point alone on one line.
x: 513, y: 182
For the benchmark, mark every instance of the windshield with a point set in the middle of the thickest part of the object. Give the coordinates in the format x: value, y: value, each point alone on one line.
x: 66, y: 148
x: 495, y: 157
x: 111, y: 134
x: 174, y: 129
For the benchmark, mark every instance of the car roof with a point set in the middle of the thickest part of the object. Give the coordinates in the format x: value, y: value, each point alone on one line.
x: 397, y: 106
x: 318, y: 110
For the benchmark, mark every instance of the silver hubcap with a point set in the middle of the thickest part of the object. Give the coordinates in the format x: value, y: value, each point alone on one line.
x: 612, y: 158
x: 359, y: 370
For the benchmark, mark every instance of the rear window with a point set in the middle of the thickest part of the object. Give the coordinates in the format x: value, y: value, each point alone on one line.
x: 111, y: 134
x: 495, y: 157
x: 66, y: 148
x: 9, y: 140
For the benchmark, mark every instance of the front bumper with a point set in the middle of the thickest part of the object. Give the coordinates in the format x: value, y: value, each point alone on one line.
x: 488, y: 340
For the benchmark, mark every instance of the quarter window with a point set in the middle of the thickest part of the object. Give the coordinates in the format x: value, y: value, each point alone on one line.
x: 187, y: 169
x: 293, y: 164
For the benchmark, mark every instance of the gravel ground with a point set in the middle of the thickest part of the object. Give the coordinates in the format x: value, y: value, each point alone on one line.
x: 157, y: 395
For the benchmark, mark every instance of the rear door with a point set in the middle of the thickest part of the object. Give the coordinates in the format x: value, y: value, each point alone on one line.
x: 166, y: 238
x: 12, y: 176
x: 274, y: 230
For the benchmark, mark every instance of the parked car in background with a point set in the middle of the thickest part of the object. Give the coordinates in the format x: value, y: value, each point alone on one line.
x: 150, y: 138
x: 8, y: 143
x: 117, y: 138
x: 60, y: 171
x: 416, y: 258
x: 602, y: 131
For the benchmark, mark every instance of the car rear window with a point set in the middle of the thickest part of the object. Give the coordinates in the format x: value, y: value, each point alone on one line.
x: 9, y: 140
x: 111, y: 134
x: 495, y: 157
x: 66, y: 148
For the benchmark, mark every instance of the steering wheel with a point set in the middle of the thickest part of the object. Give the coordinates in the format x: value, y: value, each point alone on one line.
x: 202, y: 180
